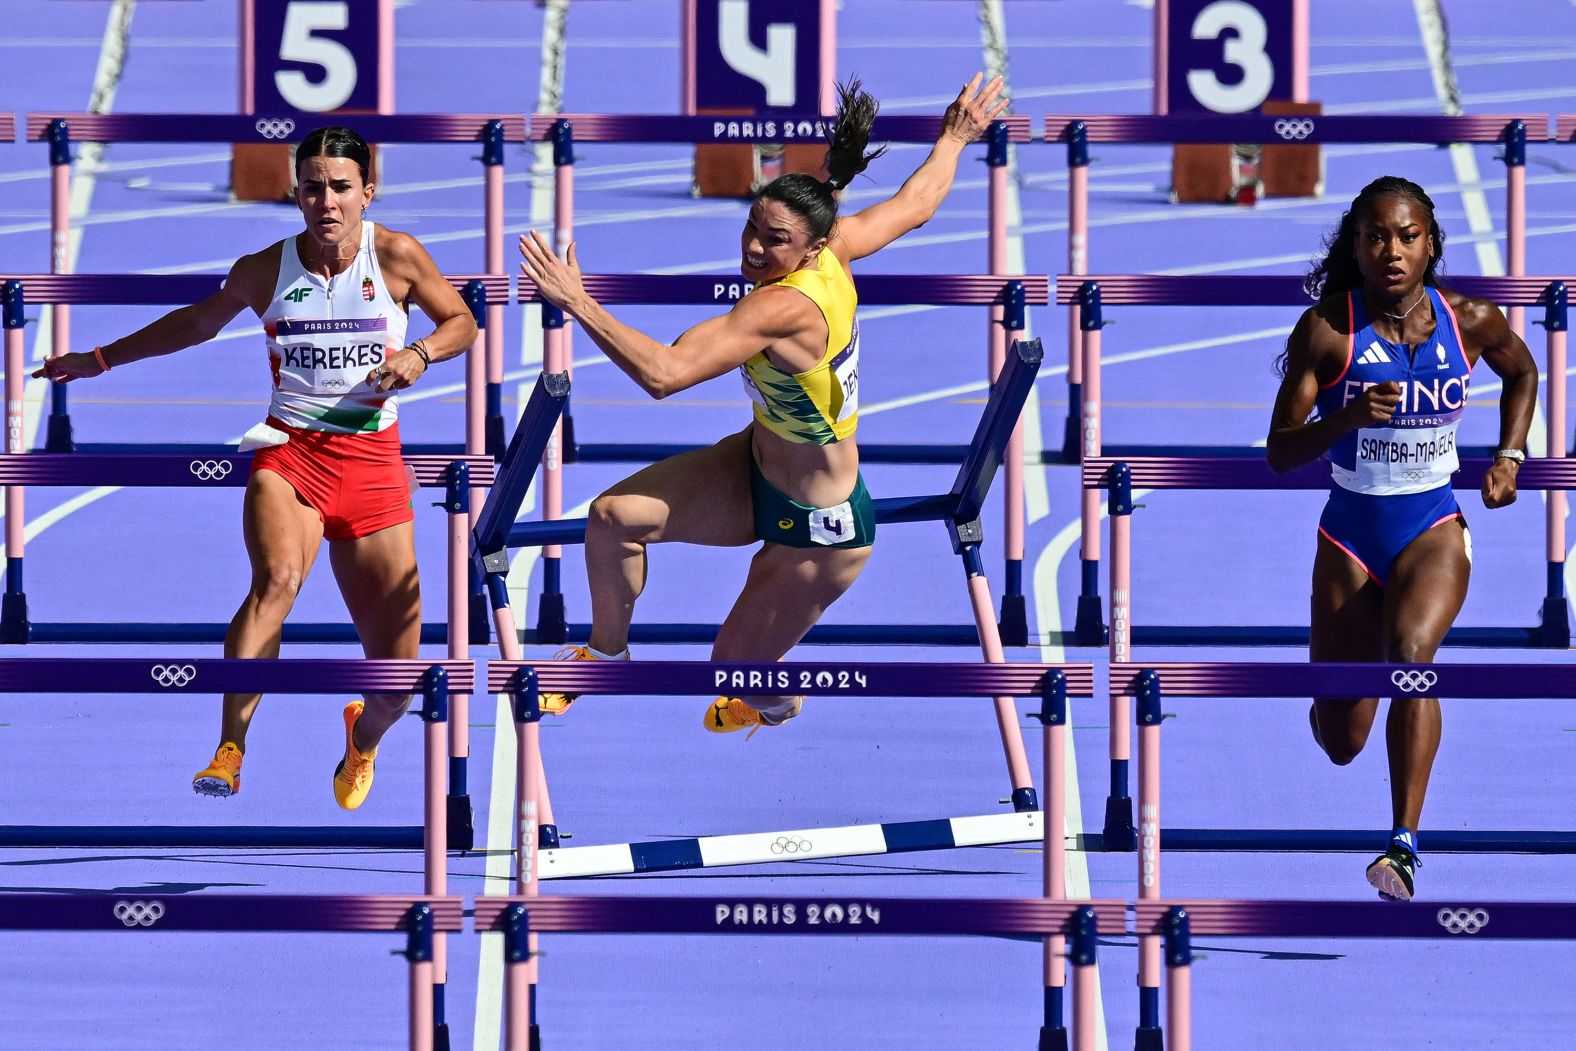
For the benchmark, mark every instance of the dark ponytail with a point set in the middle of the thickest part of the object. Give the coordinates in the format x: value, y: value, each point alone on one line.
x: 336, y: 141
x: 1337, y: 275
x: 811, y: 198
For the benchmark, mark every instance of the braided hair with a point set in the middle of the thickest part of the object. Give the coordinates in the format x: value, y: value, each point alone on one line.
x: 813, y: 199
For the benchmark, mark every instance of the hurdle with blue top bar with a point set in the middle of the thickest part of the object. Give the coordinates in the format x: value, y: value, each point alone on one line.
x: 1013, y: 294
x: 1512, y: 131
x: 424, y: 921
x: 959, y: 509
x: 489, y: 132
x: 564, y: 130
x: 539, y: 856
x: 1092, y: 293
x: 169, y: 675
x: 1147, y: 683
x: 1177, y: 922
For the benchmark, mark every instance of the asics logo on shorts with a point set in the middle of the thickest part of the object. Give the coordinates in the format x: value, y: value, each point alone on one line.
x: 1294, y: 129
x: 139, y: 913
x: 275, y: 129
x: 1463, y: 921
x: 210, y: 470
x: 791, y: 845
x: 176, y: 675
x: 1409, y: 681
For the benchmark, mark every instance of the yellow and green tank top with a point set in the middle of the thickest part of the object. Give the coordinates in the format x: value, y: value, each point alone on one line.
x: 820, y: 406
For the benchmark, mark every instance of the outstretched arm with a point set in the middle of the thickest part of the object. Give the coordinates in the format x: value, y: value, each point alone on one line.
x: 868, y: 231
x: 180, y: 328
x: 708, y: 350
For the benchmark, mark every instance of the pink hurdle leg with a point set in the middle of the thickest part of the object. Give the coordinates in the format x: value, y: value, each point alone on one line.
x: 435, y: 837
x: 1516, y: 234
x: 491, y: 367
x: 1086, y: 1004
x: 1006, y: 711
x: 1179, y: 1008
x: 1077, y: 263
x: 15, y: 373
x: 563, y: 234
x: 509, y: 648
x: 421, y: 1017
x: 1149, y: 848
x: 1054, y: 860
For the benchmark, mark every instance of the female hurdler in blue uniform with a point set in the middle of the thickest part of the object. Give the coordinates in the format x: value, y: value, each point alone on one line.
x: 1381, y: 364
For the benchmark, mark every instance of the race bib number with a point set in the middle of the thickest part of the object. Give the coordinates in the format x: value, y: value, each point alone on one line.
x: 845, y: 372
x: 832, y: 525
x: 751, y: 389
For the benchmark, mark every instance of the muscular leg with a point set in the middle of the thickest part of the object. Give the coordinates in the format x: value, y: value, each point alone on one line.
x: 1427, y: 587
x: 1347, y: 624
x: 787, y: 590
x: 282, y: 538
x: 698, y: 497
x: 377, y: 576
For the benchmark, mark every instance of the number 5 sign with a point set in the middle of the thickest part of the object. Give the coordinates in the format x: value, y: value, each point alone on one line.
x: 316, y: 56
x: 1229, y: 56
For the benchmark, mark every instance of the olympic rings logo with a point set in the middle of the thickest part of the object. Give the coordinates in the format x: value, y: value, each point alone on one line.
x: 139, y: 913
x: 791, y: 845
x: 1410, y: 681
x: 1414, y: 476
x: 275, y: 129
x: 1294, y: 129
x: 1463, y: 921
x: 210, y: 470
x: 176, y: 675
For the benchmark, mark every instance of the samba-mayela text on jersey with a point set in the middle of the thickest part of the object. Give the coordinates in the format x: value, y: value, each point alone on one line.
x: 324, y: 337
x: 1415, y: 451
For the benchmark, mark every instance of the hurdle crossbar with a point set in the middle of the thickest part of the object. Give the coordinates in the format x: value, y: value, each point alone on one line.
x: 959, y: 508
x: 7, y: 127
x: 1177, y: 922
x: 1147, y: 684
x: 1092, y: 293
x: 491, y: 131
x: 423, y: 920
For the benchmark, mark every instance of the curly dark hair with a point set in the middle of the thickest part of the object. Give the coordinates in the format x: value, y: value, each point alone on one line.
x: 813, y: 199
x: 1336, y: 275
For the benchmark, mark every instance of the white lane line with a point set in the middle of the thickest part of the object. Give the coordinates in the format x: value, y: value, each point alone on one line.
x: 1037, y: 506
x: 487, y: 1029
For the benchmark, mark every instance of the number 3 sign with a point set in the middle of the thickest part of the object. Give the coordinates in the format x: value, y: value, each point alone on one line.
x: 1228, y: 56
x: 316, y: 56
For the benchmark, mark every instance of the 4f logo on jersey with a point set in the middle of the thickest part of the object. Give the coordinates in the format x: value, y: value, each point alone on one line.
x: 296, y: 295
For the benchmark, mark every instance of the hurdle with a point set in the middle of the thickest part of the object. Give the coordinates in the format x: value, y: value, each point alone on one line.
x: 1146, y: 683
x: 1012, y: 293
x: 1121, y: 478
x: 1178, y: 921
x: 171, y: 464
x: 1512, y: 131
x: 538, y: 857
x: 434, y: 680
x: 423, y: 921
x: 959, y: 509
x: 564, y: 130
x: 59, y: 130
x: 1089, y: 294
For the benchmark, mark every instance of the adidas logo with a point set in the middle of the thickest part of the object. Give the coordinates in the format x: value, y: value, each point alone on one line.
x: 1374, y: 355
x: 296, y: 295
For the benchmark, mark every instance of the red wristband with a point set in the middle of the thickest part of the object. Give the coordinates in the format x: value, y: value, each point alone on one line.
x: 98, y: 355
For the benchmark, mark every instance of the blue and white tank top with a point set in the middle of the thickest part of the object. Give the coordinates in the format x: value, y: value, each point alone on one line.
x: 1415, y: 451
x: 324, y: 337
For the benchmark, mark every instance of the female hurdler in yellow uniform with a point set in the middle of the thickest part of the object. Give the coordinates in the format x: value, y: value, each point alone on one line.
x: 791, y: 478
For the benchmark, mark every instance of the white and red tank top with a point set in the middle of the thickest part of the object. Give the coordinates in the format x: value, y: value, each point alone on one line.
x: 325, y: 336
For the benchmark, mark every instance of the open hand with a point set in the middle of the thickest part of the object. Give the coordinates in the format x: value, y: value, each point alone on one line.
x: 558, y: 279
x: 68, y: 367
x: 973, y: 110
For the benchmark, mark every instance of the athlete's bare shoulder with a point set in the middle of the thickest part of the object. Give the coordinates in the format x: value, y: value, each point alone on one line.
x: 253, y: 276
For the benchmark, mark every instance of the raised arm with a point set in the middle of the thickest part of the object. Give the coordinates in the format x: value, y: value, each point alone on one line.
x: 408, y: 265
x: 706, y: 351
x: 1484, y: 326
x: 1293, y: 439
x: 866, y: 232
x: 180, y: 328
